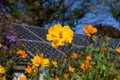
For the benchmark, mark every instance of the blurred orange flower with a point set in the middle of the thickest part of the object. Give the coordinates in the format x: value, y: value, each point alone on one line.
x: 56, y: 78
x: 22, y: 53
x: 105, y: 49
x: 90, y: 31
x: 23, y: 78
x: 71, y: 69
x: 89, y: 58
x: 29, y: 69
x: 118, y: 49
x: 86, y: 65
x: 74, y: 55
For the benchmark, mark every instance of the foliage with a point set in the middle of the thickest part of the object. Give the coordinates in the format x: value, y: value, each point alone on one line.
x: 107, y: 30
x: 41, y: 12
x: 10, y: 55
x: 97, y: 61
x: 114, y: 8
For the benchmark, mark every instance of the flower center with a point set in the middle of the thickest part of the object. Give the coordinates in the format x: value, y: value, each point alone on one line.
x: 60, y: 34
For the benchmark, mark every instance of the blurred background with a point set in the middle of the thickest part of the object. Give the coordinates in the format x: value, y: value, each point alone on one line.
x: 74, y: 13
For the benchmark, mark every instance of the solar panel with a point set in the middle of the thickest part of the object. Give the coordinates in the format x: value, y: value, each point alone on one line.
x: 24, y: 34
x: 25, y: 61
x: 79, y: 40
x: 112, y: 42
x: 115, y: 42
x: 41, y: 32
x: 41, y: 47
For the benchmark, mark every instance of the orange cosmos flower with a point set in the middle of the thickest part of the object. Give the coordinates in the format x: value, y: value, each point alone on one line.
x: 118, y: 49
x: 90, y: 31
x: 37, y: 60
x: 54, y: 63
x: 23, y: 78
x: 71, y: 69
x: 56, y: 78
x: 22, y: 53
x: 89, y: 58
x: 29, y: 69
x: 74, y: 55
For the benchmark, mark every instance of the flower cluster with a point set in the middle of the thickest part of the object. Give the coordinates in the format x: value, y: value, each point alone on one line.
x: 37, y: 62
x: 86, y: 65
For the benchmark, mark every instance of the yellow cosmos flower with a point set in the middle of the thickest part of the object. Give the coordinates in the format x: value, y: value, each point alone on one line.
x: 74, y: 55
x: 115, y: 79
x: 90, y: 31
x: 71, y: 69
x: 1, y: 45
x: 3, y: 78
x: 46, y: 63
x: 37, y: 60
x: 2, y: 70
x: 66, y: 76
x: 118, y: 49
x: 54, y: 63
x: 60, y: 35
x: 22, y: 53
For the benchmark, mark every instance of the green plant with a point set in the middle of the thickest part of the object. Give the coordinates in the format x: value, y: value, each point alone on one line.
x: 97, y: 61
